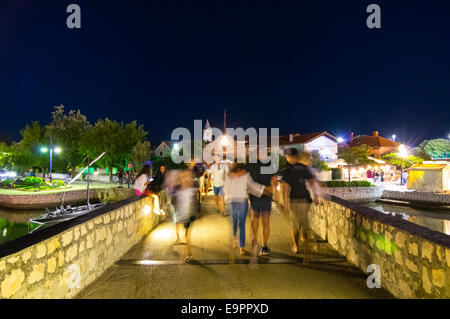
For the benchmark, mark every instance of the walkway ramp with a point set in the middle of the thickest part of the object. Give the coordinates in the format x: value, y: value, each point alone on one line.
x: 154, y: 268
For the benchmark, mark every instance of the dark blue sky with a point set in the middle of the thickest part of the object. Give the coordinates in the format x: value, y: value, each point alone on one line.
x: 302, y: 66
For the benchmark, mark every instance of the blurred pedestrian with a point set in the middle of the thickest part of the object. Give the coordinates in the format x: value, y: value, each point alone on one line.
x: 218, y: 172
x: 296, y: 197
x: 237, y: 184
x: 142, y: 181
x: 260, y: 206
x: 128, y: 177
x: 120, y: 176
x: 186, y: 207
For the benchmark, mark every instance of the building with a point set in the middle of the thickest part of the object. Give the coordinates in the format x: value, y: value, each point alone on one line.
x: 322, y: 142
x: 164, y: 149
x: 378, y: 145
x: 430, y: 176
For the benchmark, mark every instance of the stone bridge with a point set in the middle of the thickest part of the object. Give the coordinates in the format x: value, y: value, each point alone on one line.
x: 126, y: 251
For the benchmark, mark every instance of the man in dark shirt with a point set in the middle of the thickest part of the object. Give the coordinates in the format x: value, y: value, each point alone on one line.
x: 261, y: 206
x: 296, y: 197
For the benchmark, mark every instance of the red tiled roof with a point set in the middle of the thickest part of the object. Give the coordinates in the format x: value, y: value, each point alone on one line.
x: 305, y: 138
x: 373, y: 141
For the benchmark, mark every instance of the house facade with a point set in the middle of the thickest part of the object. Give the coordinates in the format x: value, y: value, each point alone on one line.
x: 325, y: 144
x: 378, y: 145
x: 164, y: 149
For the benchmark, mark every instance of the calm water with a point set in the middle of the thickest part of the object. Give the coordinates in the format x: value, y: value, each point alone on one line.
x: 438, y: 220
x: 14, y: 223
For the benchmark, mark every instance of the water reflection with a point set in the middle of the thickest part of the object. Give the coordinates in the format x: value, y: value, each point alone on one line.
x: 438, y: 220
x: 14, y: 223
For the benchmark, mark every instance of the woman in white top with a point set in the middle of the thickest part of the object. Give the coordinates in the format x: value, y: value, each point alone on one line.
x: 141, y: 181
x: 237, y: 185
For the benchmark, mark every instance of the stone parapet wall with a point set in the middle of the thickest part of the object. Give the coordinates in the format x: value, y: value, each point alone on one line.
x: 356, y: 194
x: 414, y: 261
x: 62, y: 265
x: 418, y: 197
x: 71, y: 197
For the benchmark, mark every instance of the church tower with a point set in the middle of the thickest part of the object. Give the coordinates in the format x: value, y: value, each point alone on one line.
x: 207, y: 132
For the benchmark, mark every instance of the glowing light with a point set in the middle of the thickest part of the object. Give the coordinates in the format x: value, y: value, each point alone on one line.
x: 340, y: 139
x: 176, y: 146
x: 44, y: 149
x: 166, y: 233
x: 57, y: 150
x: 403, y: 151
x: 278, y: 187
x: 393, y: 137
x: 224, y: 141
x: 147, y: 210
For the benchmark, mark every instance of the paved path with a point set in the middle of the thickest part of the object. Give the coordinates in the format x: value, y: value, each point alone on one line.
x: 154, y: 268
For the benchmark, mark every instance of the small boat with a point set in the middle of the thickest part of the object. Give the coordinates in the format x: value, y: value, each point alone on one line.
x: 61, y: 214
x: 65, y: 213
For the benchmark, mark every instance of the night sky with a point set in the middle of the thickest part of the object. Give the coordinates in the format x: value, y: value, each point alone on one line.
x: 302, y: 66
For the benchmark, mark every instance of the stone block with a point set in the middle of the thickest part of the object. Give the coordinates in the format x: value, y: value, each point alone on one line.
x: 67, y: 238
x: 53, y: 245
x: 427, y: 250
x: 12, y: 283
x: 26, y: 256
x: 413, y: 249
x: 400, y: 239
x: 438, y: 277
x: 41, y: 250
x: 71, y: 252
x: 37, y: 274
x: 51, y: 265
x: 411, y: 265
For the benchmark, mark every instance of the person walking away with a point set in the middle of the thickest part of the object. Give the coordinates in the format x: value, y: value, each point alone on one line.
x: 218, y: 173
x: 185, y: 206
x: 261, y: 207
x: 127, y: 177
x: 142, y: 181
x: 120, y: 178
x: 382, y: 176
x: 238, y: 183
x: 297, y: 199
x: 405, y: 177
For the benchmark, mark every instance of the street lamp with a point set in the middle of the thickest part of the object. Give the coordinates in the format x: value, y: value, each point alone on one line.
x: 393, y: 137
x: 52, y: 149
x: 403, y: 154
x: 340, y: 139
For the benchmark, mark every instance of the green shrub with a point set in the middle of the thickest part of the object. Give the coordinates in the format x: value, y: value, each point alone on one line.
x: 348, y: 184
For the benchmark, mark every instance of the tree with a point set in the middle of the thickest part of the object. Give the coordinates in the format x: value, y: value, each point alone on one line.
x: 417, y: 151
x: 355, y: 156
x: 317, y: 162
x: 67, y: 131
x: 436, y: 148
x: 6, y: 156
x: 27, y: 152
x: 395, y: 159
x: 114, y: 138
x: 140, y: 154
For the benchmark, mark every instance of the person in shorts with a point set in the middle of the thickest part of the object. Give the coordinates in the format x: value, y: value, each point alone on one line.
x: 186, y: 208
x: 262, y: 206
x: 296, y: 197
x: 218, y: 172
